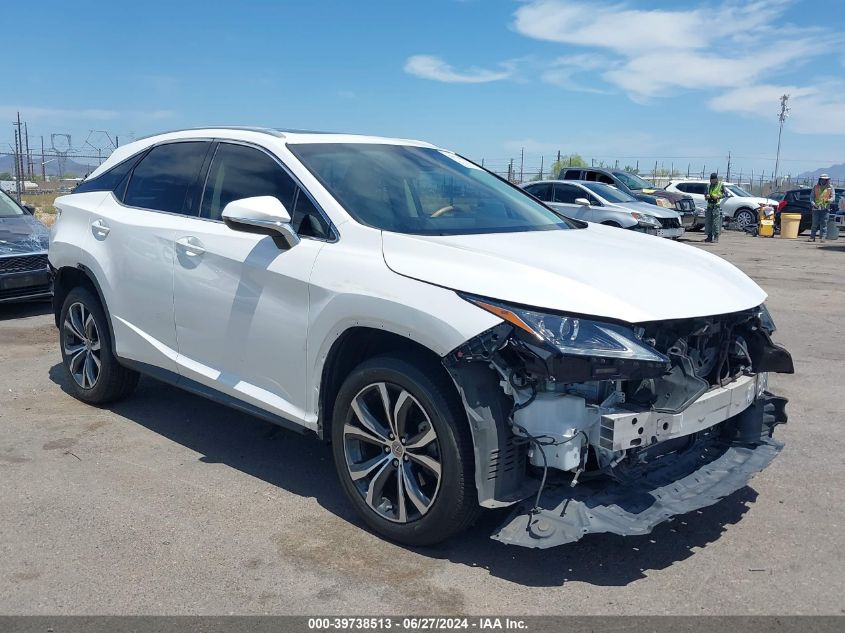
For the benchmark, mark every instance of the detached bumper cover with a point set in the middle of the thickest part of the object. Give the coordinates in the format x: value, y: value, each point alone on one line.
x: 710, y: 470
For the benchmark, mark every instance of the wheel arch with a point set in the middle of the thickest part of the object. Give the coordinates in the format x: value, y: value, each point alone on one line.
x: 354, y: 346
x: 66, y: 279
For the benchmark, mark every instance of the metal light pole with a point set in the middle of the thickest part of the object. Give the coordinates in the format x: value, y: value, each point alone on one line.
x: 784, y: 112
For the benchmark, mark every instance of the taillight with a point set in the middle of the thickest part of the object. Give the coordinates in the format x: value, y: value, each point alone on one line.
x: 781, y: 205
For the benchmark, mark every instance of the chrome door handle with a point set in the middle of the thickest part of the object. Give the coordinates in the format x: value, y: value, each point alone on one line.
x: 191, y: 246
x: 100, y: 228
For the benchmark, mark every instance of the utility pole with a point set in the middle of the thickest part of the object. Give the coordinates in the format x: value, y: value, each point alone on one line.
x: 521, y: 165
x: 541, y: 167
x: 782, y: 115
x: 728, y: 173
x: 43, y: 166
x: 28, y: 155
x: 17, y: 169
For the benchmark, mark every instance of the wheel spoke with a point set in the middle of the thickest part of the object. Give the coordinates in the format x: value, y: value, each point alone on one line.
x: 400, y: 412
x: 90, y: 327
x: 427, y: 462
x: 401, y: 496
x: 73, y: 350
x: 361, y: 470
x: 366, y: 418
x: 70, y: 326
x: 89, y: 373
x: 418, y: 498
x: 76, y: 361
x: 357, y: 433
x: 376, y: 487
x: 423, y: 439
x: 388, y: 410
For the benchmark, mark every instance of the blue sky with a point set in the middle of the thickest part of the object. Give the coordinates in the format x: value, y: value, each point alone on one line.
x: 683, y: 82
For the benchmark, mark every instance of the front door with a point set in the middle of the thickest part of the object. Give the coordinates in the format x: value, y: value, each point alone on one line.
x: 241, y: 302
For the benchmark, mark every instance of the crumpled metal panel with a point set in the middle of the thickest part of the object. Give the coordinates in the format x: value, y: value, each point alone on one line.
x: 695, y: 479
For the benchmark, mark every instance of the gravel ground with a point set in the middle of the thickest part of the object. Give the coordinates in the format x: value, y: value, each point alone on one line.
x: 170, y: 504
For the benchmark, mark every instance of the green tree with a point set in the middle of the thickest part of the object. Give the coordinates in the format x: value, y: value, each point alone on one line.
x: 572, y: 160
x: 5, y: 175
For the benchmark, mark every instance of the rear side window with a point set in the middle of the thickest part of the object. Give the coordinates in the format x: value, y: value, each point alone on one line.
x: 542, y: 192
x: 109, y: 180
x: 240, y: 172
x: 572, y: 174
x: 162, y: 179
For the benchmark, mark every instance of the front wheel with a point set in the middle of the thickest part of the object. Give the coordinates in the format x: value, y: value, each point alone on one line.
x: 744, y: 218
x: 403, y: 451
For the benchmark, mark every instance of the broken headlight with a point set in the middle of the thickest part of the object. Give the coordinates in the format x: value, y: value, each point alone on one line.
x: 575, y: 336
x: 767, y: 324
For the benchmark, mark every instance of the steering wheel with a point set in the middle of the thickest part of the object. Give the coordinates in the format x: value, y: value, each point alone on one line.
x: 442, y: 211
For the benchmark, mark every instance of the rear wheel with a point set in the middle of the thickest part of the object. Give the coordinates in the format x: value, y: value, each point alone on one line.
x: 403, y: 451
x: 86, y: 346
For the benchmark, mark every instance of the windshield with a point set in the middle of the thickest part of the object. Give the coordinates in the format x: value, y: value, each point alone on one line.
x: 632, y: 181
x: 8, y: 207
x: 422, y: 190
x: 738, y: 191
x: 611, y: 194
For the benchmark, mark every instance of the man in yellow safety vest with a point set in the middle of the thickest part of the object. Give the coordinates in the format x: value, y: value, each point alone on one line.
x: 713, y: 216
x: 822, y: 198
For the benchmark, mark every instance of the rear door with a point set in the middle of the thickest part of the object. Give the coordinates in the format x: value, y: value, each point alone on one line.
x: 241, y: 302
x: 563, y: 199
x: 132, y: 236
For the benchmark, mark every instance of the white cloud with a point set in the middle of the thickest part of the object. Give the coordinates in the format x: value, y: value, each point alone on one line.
x: 436, y: 69
x: 655, y: 53
x: 563, y: 70
x: 815, y: 110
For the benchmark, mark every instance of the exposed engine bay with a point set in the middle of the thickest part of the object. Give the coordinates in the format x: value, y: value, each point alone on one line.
x: 593, y: 426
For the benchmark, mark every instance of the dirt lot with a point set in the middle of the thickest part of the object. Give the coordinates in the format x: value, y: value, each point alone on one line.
x: 167, y: 503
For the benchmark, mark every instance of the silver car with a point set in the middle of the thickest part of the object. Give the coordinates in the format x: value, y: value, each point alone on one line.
x: 604, y: 204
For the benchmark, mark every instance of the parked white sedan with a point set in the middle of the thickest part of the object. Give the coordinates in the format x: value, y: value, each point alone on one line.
x: 605, y: 204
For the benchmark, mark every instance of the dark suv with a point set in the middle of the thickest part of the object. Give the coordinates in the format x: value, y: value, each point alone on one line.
x: 638, y: 187
x: 798, y: 201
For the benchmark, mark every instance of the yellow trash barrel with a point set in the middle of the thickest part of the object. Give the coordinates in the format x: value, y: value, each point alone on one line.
x: 789, y: 223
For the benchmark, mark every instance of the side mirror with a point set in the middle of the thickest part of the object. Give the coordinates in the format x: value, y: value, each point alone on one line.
x: 582, y: 201
x: 264, y: 215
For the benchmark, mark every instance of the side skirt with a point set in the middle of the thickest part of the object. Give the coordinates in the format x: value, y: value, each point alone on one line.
x: 172, y: 378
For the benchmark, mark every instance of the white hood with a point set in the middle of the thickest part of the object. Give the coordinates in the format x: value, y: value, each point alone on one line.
x: 599, y: 271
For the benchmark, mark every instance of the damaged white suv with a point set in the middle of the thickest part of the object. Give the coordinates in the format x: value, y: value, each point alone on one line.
x: 460, y: 345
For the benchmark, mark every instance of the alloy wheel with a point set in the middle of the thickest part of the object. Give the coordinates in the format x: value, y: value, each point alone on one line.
x: 81, y: 345
x: 392, y: 452
x: 744, y: 218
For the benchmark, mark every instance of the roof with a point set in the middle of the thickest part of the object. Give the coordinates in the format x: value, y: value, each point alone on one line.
x: 270, y: 136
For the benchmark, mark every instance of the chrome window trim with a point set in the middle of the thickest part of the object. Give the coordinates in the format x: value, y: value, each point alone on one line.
x: 335, y: 233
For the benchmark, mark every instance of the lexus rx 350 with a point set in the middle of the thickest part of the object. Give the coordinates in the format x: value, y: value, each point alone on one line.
x: 459, y: 344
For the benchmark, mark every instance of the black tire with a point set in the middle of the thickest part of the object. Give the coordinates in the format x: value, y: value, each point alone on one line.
x: 454, y: 506
x: 747, y: 215
x: 113, y: 381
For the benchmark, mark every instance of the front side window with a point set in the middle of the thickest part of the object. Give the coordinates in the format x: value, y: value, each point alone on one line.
x: 739, y: 191
x: 566, y: 194
x: 611, y: 194
x: 237, y: 172
x: 421, y: 190
x: 162, y: 178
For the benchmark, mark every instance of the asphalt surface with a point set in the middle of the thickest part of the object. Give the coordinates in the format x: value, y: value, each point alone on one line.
x: 169, y: 504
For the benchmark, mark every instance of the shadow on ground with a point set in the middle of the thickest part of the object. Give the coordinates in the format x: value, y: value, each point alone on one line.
x: 303, y: 465
x: 11, y: 311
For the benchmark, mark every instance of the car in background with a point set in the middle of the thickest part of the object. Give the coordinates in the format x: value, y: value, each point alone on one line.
x: 740, y: 205
x: 24, y: 269
x: 604, y: 204
x: 637, y: 187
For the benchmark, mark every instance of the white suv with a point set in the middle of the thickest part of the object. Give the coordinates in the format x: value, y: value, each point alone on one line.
x: 740, y: 205
x: 459, y: 344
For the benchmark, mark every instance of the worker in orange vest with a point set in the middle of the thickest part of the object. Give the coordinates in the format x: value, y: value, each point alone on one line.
x: 822, y: 198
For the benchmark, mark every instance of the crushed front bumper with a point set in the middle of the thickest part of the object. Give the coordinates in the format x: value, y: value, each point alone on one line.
x: 714, y: 465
